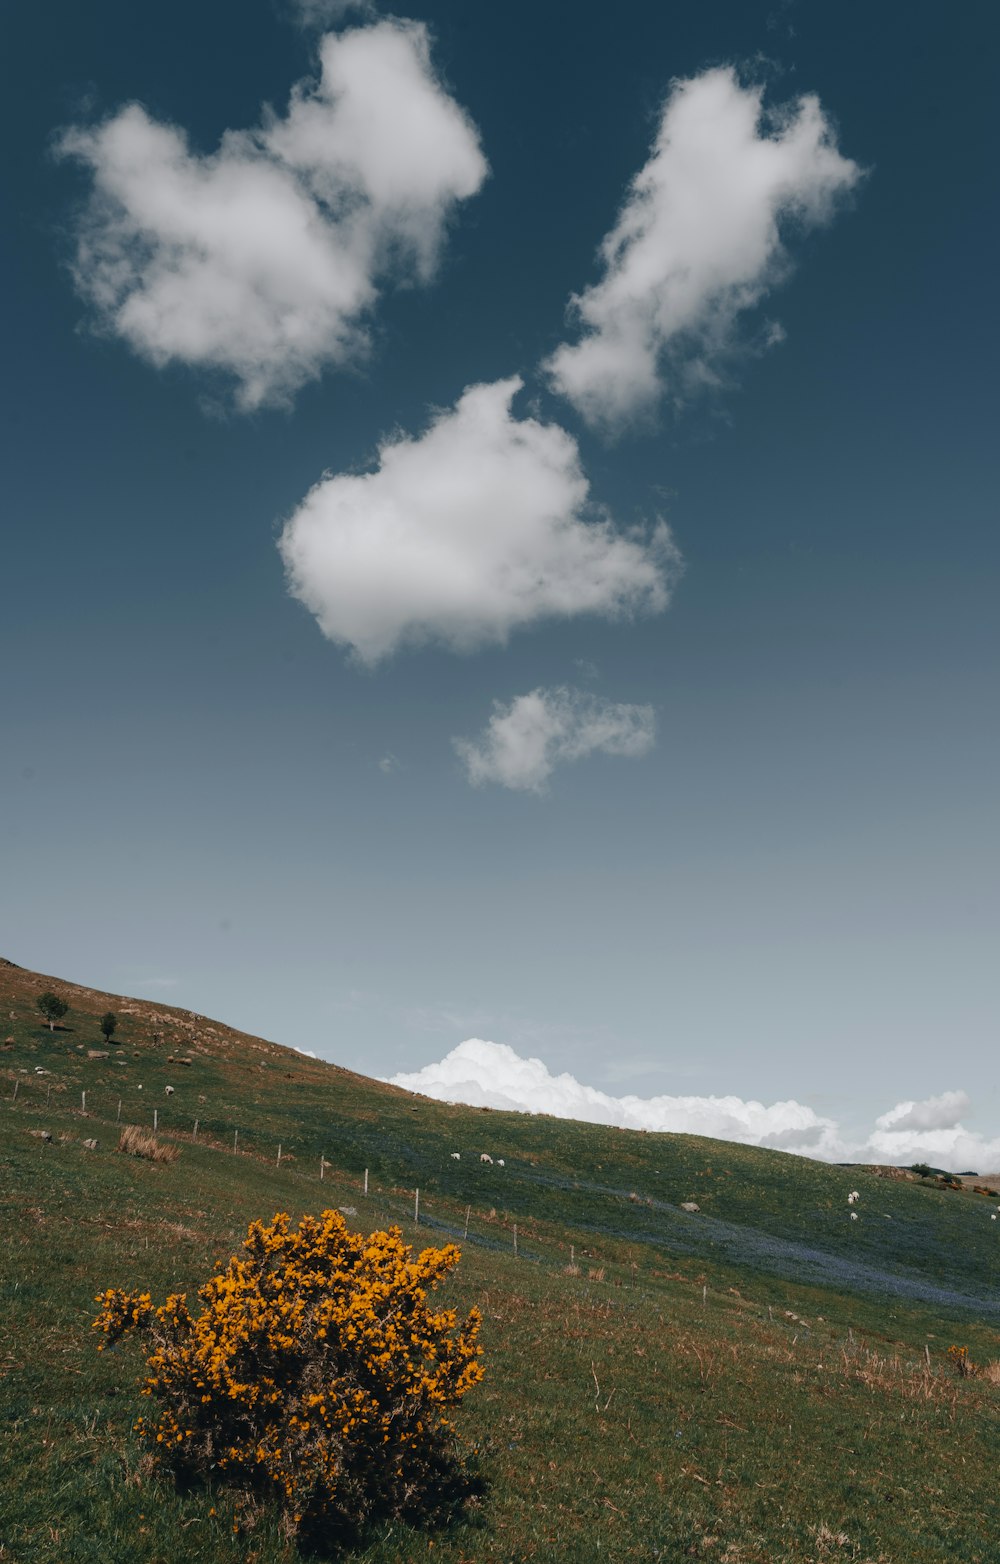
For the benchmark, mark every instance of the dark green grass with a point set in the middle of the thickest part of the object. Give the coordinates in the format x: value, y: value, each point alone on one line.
x: 682, y: 1406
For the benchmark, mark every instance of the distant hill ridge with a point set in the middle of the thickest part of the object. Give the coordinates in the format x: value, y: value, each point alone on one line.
x: 763, y: 1209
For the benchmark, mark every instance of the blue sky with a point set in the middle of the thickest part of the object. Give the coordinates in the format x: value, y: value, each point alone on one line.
x: 764, y: 859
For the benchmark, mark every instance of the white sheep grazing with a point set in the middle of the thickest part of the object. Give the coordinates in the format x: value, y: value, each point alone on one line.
x: 993, y: 1217
x: 484, y: 1156
x: 852, y: 1197
x: 854, y: 1216
x: 501, y: 1163
x: 169, y: 1090
x: 456, y: 1156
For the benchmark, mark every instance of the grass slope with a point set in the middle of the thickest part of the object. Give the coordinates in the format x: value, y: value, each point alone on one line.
x: 750, y: 1384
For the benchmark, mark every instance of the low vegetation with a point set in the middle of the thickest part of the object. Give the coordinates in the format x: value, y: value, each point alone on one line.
x: 136, y: 1142
x: 317, y: 1376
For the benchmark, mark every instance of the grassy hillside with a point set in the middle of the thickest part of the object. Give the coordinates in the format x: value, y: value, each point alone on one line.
x: 762, y: 1381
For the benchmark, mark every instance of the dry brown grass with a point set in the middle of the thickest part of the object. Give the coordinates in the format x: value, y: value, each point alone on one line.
x: 136, y: 1142
x: 827, y: 1539
x: 888, y: 1374
x: 991, y: 1371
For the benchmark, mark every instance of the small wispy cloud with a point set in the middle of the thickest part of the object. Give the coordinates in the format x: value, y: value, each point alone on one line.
x: 527, y: 738
x: 388, y: 764
x: 478, y: 527
x: 321, y: 14
x: 264, y: 258
x: 698, y: 242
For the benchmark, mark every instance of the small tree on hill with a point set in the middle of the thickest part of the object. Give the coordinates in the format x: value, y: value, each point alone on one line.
x: 52, y: 1007
x: 109, y: 1025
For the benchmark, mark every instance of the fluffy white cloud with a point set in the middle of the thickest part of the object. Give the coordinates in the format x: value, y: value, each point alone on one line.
x: 478, y: 527
x: 525, y: 740
x: 934, y: 1113
x: 491, y: 1075
x: 932, y: 1131
x: 262, y: 258
x: 698, y: 241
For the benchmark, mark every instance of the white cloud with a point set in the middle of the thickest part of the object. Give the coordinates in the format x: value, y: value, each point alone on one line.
x: 525, y: 740
x: 480, y: 526
x: 934, y: 1113
x: 492, y: 1075
x: 263, y: 258
x: 932, y: 1131
x: 388, y: 764
x: 326, y: 13
x: 698, y: 241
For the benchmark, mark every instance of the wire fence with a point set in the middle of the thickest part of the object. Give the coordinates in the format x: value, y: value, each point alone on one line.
x: 487, y: 1232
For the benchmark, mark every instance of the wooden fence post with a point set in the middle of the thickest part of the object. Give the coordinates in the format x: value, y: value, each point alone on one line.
x: 416, y: 1205
x: 515, y: 1240
x: 118, y: 1118
x: 279, y: 1154
x: 467, y: 1210
x: 83, y: 1101
x: 366, y: 1181
x: 236, y: 1140
x: 195, y: 1135
x: 156, y: 1119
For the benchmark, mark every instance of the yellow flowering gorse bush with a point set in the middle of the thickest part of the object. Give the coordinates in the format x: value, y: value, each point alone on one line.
x: 317, y: 1369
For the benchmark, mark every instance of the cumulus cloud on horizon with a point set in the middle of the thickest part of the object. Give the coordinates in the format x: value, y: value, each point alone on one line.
x: 263, y: 258
x: 932, y: 1131
x: 699, y: 240
x: 478, y: 527
x: 492, y: 1075
x: 526, y: 738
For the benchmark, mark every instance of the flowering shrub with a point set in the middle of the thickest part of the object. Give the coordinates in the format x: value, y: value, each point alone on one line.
x: 960, y: 1361
x: 317, y: 1370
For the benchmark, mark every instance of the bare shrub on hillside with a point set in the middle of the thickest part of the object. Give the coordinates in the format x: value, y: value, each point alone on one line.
x: 888, y: 1374
x: 136, y: 1142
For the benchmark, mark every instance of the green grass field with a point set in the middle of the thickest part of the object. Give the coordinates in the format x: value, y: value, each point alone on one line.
x: 763, y: 1381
